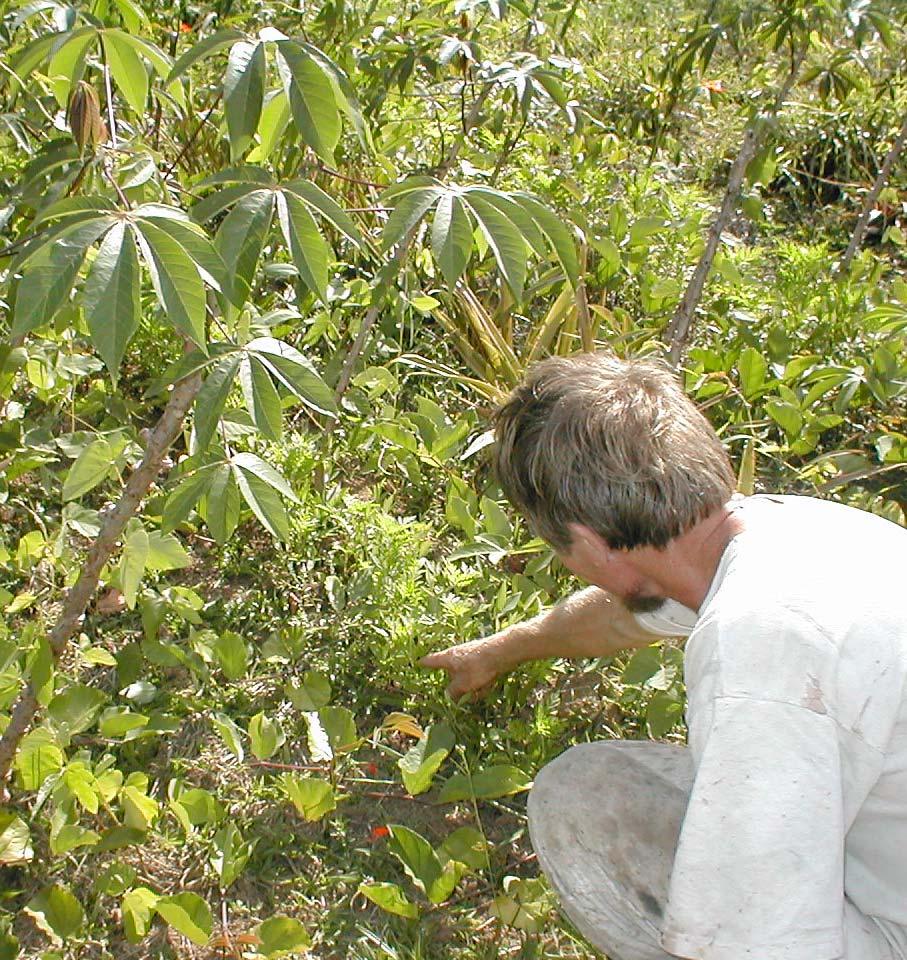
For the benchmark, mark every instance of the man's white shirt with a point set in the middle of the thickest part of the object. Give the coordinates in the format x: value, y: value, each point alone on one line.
x: 796, y: 676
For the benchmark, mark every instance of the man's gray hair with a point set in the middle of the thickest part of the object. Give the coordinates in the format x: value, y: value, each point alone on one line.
x: 615, y: 445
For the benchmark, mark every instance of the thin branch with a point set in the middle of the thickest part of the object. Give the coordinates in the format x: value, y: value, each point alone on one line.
x: 872, y: 197
x: 79, y: 596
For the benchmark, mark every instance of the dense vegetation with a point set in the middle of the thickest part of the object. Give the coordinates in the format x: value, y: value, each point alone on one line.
x: 264, y: 272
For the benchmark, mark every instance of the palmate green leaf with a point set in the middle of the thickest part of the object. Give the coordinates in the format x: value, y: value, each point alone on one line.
x: 209, y: 404
x: 92, y: 466
x: 244, y: 89
x: 187, y: 913
x: 391, y: 898
x: 222, y: 504
x: 240, y: 239
x: 555, y: 231
x: 265, y: 503
x: 308, y: 248
x: 190, y: 237
x: 184, y: 497
x: 344, y: 93
x: 126, y: 68
x: 313, y: 104
x: 410, y: 205
x: 295, y: 371
x: 111, y: 298
x: 57, y: 912
x: 262, y: 398
x: 67, y: 65
x: 176, y: 281
x: 326, y: 207
x: 250, y: 464
x: 505, y: 241
x: 203, y: 48
x: 525, y: 225
x: 49, y: 273
x: 275, y: 117
x: 217, y: 202
x: 451, y: 237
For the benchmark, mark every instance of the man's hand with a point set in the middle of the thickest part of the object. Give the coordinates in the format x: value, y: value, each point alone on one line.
x: 471, y: 667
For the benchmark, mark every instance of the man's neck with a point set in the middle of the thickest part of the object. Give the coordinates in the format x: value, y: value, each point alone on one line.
x: 685, y: 568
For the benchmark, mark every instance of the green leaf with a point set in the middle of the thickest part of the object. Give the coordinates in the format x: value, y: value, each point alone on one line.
x: 422, y: 864
x: 192, y: 238
x: 231, y: 854
x: 264, y: 502
x: 57, y: 912
x: 266, y: 735
x: 391, y: 898
x: 504, y: 239
x: 215, y: 203
x: 466, y: 845
x: 308, y: 248
x: 230, y: 733
x: 451, y: 237
x: 111, y: 299
x: 118, y: 721
x: 49, y: 273
x: 409, y: 208
x: 165, y: 552
x: 41, y: 671
x: 39, y: 757
x: 209, y: 404
x: 274, y: 120
x: 74, y: 710
x: 127, y: 70
x: 93, y: 465
x: 488, y: 784
x: 176, y: 281
x: 232, y: 653
x: 249, y: 463
x: 244, y: 88
x: 240, y: 239
x: 556, y: 232
x: 137, y: 908
x: 787, y: 416
x: 184, y: 497
x: 312, y: 798
x: 262, y: 398
x: 753, y: 367
x: 201, y: 49
x: 281, y: 935
x: 296, y: 372
x: 187, y: 913
x: 516, y: 214
x: 326, y: 207
x: 340, y: 726
x: 423, y: 760
x: 222, y: 504
x: 312, y: 693
x: 313, y: 104
x: 15, y: 840
x: 132, y: 564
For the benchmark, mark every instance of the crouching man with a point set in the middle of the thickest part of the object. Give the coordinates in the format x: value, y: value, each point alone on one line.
x: 780, y: 833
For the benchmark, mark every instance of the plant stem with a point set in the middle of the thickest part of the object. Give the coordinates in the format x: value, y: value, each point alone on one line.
x: 873, y: 195
x: 79, y: 596
x: 677, y: 332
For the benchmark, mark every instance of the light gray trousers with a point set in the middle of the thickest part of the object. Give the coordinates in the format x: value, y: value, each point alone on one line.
x: 604, y: 819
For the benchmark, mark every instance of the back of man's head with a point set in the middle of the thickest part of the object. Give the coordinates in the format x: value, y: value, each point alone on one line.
x: 612, y: 444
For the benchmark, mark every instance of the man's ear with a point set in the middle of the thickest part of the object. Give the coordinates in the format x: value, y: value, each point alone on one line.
x: 587, y: 545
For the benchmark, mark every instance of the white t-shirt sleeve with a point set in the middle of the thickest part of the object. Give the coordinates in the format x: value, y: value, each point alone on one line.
x: 759, y: 866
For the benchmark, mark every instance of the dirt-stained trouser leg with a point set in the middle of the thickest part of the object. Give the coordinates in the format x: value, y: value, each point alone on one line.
x: 604, y: 820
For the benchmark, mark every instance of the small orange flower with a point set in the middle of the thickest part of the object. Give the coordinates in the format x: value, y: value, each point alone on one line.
x: 715, y: 86
x: 185, y: 27
x: 371, y: 769
x: 379, y: 833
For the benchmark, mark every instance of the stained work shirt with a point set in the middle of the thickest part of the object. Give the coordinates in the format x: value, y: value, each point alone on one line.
x: 796, y: 675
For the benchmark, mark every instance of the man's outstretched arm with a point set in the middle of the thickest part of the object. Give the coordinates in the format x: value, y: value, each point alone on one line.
x: 590, y: 623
